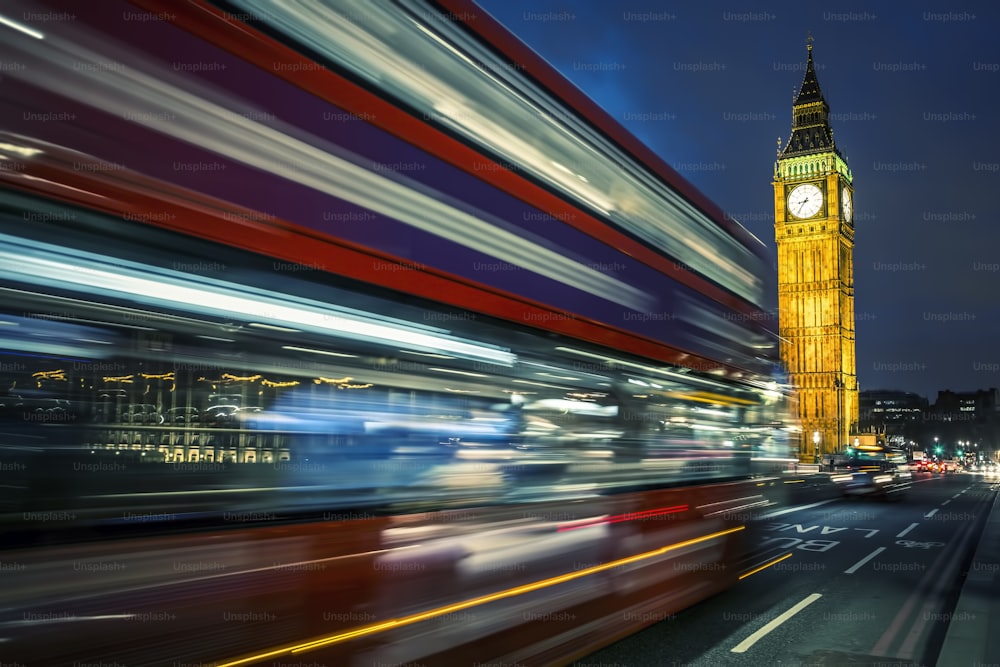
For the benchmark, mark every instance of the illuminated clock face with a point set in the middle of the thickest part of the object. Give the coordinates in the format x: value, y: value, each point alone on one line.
x: 847, y: 205
x: 805, y: 201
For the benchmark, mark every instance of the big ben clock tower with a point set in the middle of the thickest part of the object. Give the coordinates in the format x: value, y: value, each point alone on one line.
x: 814, y: 230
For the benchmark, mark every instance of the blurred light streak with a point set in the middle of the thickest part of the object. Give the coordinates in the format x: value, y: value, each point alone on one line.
x: 15, y: 149
x: 765, y: 566
x: 314, y: 351
x: 427, y: 354
x: 71, y: 619
x: 52, y: 266
x: 457, y: 372
x: 94, y: 72
x: 740, y: 508
x: 272, y: 327
x: 474, y: 602
x: 727, y: 502
x: 20, y: 27
x: 447, y: 75
x: 628, y: 516
x: 650, y: 369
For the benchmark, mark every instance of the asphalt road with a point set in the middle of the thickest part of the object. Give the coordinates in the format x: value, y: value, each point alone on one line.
x: 868, y: 583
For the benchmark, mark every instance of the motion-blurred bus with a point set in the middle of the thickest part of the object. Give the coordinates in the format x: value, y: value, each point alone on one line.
x: 358, y: 333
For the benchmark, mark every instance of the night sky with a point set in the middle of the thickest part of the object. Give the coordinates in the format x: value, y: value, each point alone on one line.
x: 914, y: 95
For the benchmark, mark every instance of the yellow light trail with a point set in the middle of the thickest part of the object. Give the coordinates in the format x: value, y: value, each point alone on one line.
x: 474, y: 602
x: 765, y: 566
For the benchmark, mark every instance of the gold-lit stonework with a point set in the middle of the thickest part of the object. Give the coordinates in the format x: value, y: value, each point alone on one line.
x: 814, y: 230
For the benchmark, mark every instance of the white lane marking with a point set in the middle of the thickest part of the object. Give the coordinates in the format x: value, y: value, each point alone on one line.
x: 946, y: 502
x: 908, y: 529
x: 857, y: 566
x: 930, y: 514
x: 745, y: 645
x: 771, y: 515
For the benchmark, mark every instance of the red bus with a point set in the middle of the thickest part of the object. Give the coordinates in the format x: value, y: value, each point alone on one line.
x: 356, y: 332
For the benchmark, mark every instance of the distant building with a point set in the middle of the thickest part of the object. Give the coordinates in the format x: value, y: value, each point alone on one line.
x: 885, y: 407
x: 978, y: 406
x: 962, y: 421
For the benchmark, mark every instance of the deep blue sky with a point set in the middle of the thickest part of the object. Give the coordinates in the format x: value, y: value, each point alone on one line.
x: 914, y: 94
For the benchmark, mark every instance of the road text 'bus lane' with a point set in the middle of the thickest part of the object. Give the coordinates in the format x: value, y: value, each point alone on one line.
x: 810, y: 543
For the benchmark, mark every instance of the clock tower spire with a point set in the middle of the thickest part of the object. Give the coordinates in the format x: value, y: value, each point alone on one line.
x: 814, y: 231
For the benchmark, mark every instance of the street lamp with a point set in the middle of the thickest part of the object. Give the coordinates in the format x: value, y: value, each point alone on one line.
x: 839, y: 386
x: 816, y: 446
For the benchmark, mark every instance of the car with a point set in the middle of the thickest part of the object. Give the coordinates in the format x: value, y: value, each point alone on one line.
x: 879, y: 474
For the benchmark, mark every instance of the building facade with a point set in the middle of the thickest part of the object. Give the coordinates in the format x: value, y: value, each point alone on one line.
x: 964, y: 421
x: 814, y: 231
x: 962, y: 406
x: 889, y: 410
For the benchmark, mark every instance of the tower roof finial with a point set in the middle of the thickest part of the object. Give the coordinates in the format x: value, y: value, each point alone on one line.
x: 809, y: 90
x: 811, y: 132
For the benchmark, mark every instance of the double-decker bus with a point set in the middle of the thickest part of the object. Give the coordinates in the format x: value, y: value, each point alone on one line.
x: 352, y: 331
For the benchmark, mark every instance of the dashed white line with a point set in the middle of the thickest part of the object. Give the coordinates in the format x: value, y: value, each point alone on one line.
x: 907, y: 529
x: 771, y: 515
x: 946, y: 502
x: 745, y: 645
x: 857, y: 566
x: 930, y: 514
